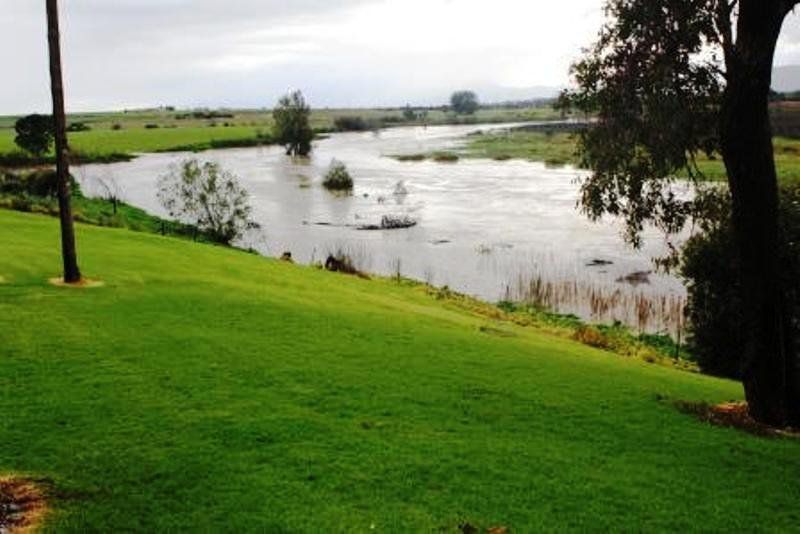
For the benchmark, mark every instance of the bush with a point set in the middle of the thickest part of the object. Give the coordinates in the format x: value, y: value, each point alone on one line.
x: 710, y: 267
x: 151, y: 126
x: 208, y: 197
x: 350, y: 123
x: 37, y: 184
x: 78, y: 127
x: 338, y: 178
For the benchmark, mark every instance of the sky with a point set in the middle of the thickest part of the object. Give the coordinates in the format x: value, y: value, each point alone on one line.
x: 341, y: 53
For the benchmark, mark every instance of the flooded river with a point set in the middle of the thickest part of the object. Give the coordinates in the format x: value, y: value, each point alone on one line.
x: 492, y: 229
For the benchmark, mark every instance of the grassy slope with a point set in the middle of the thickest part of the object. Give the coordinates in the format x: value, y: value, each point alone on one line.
x: 205, y: 388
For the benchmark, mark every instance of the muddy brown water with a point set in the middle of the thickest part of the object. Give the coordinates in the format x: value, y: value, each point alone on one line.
x: 485, y: 228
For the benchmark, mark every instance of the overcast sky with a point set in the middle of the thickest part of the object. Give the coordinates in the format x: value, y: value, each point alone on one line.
x: 245, y: 53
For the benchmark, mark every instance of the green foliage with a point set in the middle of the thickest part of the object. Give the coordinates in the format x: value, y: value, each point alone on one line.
x: 616, y: 337
x: 123, y: 134
x: 464, y: 102
x: 338, y: 178
x: 652, y: 81
x: 350, y: 123
x: 38, y: 183
x: 205, y: 389
x: 78, y: 127
x: 34, y: 134
x: 208, y: 197
x: 292, y: 126
x: 710, y: 268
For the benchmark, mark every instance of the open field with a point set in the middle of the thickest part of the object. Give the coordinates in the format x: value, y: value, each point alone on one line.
x: 559, y: 149
x: 204, y: 388
x: 174, y: 130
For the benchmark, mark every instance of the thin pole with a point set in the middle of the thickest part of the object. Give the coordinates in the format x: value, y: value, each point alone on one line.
x: 71, y: 272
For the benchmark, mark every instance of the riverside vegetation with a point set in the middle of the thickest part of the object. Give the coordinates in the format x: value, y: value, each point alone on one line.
x: 118, y: 136
x: 279, y: 397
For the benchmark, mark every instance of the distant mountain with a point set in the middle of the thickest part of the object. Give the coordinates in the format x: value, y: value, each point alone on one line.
x: 786, y: 79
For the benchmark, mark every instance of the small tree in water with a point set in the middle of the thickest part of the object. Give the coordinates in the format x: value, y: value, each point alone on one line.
x: 292, y: 127
x: 208, y: 196
x: 338, y: 178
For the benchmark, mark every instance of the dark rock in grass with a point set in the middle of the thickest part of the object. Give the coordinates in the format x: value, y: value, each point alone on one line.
x: 636, y: 278
x: 287, y: 257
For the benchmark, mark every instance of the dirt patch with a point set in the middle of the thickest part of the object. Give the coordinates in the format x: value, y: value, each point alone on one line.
x: 22, y: 506
x: 734, y: 415
x: 85, y: 283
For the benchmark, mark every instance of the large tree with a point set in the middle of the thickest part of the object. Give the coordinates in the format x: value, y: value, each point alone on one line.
x: 292, y: 124
x: 34, y: 134
x: 464, y: 102
x: 69, y: 255
x: 667, y: 80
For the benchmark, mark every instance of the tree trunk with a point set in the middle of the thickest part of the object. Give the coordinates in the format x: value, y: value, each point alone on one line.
x: 770, y: 364
x: 71, y: 272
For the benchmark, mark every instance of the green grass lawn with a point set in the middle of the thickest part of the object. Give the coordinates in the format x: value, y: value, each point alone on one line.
x: 206, y: 389
x: 99, y: 142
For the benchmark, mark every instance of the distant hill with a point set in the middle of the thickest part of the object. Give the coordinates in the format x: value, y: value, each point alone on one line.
x: 786, y: 79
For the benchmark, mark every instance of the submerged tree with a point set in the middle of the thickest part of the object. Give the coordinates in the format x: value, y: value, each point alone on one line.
x: 292, y: 126
x: 670, y: 79
x: 208, y: 197
x: 69, y: 255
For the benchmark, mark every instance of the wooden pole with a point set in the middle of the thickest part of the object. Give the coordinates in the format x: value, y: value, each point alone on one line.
x: 71, y: 272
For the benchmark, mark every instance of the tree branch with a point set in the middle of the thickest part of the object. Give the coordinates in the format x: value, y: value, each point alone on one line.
x: 724, y: 26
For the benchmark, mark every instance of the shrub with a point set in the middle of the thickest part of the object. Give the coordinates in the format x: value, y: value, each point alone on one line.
x: 151, y: 126
x: 710, y: 268
x: 445, y: 157
x: 209, y: 197
x: 40, y: 183
x: 78, y: 127
x: 338, y: 178
x: 350, y: 123
x: 116, y: 126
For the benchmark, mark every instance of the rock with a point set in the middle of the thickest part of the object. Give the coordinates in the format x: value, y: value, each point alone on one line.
x: 391, y: 222
x: 287, y: 257
x: 636, y: 278
x: 599, y: 263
